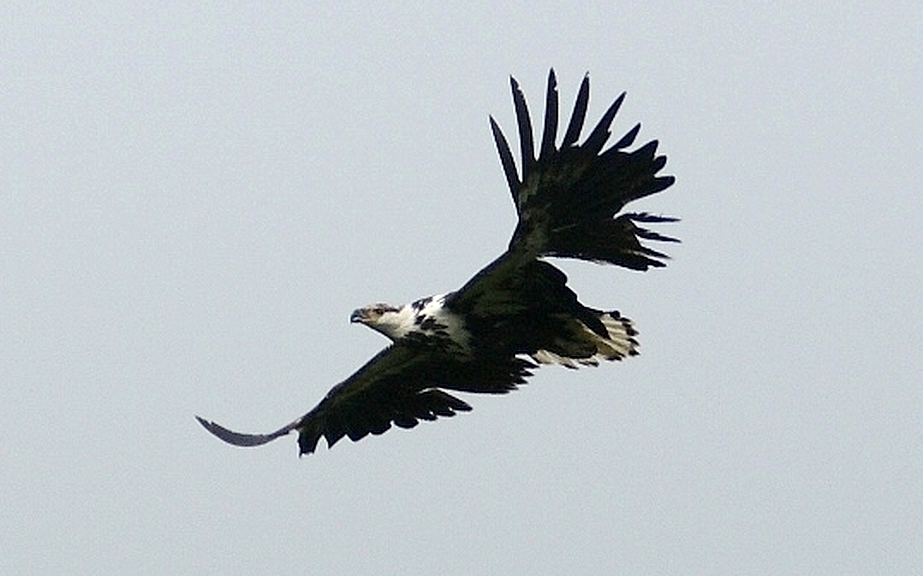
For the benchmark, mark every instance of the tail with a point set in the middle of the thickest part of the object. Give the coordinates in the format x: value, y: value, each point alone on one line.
x: 568, y: 198
x: 583, y: 346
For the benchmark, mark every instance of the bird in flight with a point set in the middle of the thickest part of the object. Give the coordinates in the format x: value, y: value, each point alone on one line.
x: 518, y: 312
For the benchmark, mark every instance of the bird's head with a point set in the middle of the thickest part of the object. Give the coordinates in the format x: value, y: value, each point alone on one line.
x: 384, y: 318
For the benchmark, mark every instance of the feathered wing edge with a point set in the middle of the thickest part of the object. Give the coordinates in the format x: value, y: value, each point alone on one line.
x: 567, y: 198
x: 245, y: 440
x: 401, y: 386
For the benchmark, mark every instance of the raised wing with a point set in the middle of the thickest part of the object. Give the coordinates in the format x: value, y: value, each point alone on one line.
x: 401, y: 385
x: 568, y: 198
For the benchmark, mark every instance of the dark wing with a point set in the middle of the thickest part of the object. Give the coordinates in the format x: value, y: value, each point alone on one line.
x: 401, y: 385
x: 568, y: 201
x: 512, y: 297
x: 568, y: 198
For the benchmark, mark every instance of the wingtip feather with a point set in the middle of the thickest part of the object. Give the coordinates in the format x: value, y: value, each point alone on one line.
x: 575, y: 126
x: 550, y: 129
x: 241, y: 439
x: 526, y: 142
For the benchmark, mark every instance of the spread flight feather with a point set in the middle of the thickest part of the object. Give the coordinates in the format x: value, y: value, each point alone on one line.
x: 516, y: 313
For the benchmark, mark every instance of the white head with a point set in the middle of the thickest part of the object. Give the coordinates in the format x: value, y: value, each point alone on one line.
x: 392, y: 321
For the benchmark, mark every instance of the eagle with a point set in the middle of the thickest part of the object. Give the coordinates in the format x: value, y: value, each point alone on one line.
x: 517, y: 313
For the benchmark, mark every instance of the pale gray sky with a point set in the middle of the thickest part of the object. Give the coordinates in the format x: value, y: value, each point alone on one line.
x: 195, y: 198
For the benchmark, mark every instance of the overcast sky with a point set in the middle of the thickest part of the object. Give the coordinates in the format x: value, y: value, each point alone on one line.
x: 195, y: 198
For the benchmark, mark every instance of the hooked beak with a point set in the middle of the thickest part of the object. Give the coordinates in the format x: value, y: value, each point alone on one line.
x: 357, y: 316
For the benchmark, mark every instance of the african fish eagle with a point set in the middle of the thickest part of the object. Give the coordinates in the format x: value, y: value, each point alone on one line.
x: 517, y: 313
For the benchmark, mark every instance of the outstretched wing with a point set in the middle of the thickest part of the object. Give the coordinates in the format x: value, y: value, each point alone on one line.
x: 568, y: 198
x: 401, y: 385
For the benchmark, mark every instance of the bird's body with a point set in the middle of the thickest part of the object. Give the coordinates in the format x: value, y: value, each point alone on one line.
x: 517, y: 312
x: 426, y: 318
